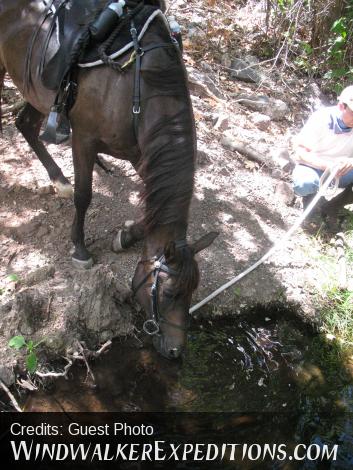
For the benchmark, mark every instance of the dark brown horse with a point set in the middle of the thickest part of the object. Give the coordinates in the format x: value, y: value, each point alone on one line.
x: 161, y: 147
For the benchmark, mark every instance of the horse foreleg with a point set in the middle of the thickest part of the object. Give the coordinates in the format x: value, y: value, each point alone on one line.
x: 29, y: 122
x: 84, y: 156
x: 126, y: 238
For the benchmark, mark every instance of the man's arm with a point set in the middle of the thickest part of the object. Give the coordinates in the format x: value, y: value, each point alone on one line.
x: 306, y: 156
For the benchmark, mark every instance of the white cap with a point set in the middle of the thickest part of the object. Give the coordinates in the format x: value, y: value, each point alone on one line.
x: 346, y: 96
x: 117, y: 7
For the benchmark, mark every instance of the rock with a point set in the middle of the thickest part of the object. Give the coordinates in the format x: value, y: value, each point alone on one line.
x: 102, y: 305
x: 43, y: 230
x: 7, y: 375
x: 30, y: 308
x: 285, y: 192
x: 42, y: 274
x: 203, y: 84
x: 26, y: 229
x: 244, y: 70
x: 276, y: 109
x: 47, y: 189
x: 261, y: 121
x: 202, y: 158
x: 221, y: 122
x: 282, y: 159
x: 315, y: 96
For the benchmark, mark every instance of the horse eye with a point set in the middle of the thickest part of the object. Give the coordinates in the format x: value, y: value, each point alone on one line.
x: 169, y: 294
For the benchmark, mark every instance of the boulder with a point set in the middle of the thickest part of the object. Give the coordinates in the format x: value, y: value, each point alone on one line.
x: 245, y: 70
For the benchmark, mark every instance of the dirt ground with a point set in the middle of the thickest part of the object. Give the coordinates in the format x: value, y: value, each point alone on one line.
x: 245, y: 202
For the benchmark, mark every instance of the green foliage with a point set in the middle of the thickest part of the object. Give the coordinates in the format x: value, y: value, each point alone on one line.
x: 317, y: 37
x: 19, y: 342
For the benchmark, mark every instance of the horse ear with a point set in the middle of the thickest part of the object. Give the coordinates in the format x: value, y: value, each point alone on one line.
x: 170, y: 252
x: 204, y: 241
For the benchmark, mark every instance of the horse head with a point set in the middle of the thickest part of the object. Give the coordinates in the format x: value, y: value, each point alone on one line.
x: 163, y: 286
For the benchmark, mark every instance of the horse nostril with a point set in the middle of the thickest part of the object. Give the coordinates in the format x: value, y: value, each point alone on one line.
x: 174, y: 353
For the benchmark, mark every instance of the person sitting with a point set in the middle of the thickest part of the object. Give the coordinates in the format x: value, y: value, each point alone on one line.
x: 326, y: 140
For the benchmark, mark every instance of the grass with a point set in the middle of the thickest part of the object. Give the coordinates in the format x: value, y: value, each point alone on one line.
x: 337, y: 314
x: 337, y: 306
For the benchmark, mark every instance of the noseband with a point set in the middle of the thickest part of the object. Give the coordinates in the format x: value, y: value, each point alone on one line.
x: 152, y: 325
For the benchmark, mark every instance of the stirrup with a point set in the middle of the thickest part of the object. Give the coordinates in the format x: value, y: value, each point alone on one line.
x: 57, y: 128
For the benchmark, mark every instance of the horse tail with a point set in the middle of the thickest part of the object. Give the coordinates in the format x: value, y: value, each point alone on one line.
x: 2, y: 76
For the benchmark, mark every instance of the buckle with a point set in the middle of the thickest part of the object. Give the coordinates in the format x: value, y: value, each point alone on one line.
x: 151, y: 327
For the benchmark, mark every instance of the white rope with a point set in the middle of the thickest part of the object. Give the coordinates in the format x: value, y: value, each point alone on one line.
x: 326, y: 179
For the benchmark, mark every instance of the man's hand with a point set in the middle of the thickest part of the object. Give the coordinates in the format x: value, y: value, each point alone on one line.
x: 344, y: 166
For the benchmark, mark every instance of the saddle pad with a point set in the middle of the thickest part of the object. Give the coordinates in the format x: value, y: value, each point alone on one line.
x: 124, y: 41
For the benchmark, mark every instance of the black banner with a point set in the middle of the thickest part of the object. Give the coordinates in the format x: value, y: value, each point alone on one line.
x: 161, y: 440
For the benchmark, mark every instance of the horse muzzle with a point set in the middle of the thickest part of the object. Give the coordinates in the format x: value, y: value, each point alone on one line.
x: 167, y: 348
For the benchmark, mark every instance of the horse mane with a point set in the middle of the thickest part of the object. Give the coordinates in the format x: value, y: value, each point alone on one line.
x: 168, y: 163
x: 189, y: 274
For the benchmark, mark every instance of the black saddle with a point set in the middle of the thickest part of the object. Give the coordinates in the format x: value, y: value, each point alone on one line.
x: 67, y: 43
x: 69, y: 21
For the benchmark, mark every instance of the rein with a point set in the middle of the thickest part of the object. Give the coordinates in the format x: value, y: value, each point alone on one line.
x: 152, y: 325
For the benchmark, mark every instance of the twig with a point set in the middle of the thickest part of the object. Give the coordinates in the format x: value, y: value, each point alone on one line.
x: 102, y: 349
x: 56, y: 374
x: 12, y: 398
x: 89, y: 370
x: 341, y: 261
x: 74, y: 357
x: 49, y: 305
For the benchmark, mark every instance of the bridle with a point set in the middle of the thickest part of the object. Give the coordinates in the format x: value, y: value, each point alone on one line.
x: 139, y: 51
x: 152, y: 325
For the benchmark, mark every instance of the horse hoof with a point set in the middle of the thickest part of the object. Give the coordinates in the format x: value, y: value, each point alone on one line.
x: 117, y: 246
x: 82, y: 264
x: 63, y: 190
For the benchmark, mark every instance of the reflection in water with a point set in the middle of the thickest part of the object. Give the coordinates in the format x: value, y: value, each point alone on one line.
x: 244, y: 366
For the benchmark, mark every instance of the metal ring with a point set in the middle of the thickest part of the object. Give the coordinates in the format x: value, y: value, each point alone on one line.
x: 151, y: 327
